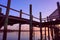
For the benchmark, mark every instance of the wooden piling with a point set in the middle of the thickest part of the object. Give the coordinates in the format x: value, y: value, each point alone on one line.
x: 0, y: 10
x: 58, y: 7
x: 19, y: 33
x: 52, y: 30
x: 45, y: 33
x: 0, y: 14
x: 52, y: 33
x: 6, y: 21
x: 45, y: 30
x: 48, y: 33
x: 33, y: 34
x: 31, y: 27
x: 40, y: 25
x: 48, y: 30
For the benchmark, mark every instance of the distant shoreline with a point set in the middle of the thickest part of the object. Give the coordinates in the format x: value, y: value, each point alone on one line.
x: 18, y: 30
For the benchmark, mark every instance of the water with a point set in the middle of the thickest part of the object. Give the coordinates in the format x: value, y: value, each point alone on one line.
x: 24, y: 36
x: 14, y: 35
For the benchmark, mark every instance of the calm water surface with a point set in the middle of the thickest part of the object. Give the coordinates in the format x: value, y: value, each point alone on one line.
x: 14, y: 36
x: 24, y: 36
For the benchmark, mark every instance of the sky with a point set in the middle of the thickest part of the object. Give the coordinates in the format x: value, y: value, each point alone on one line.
x: 45, y: 6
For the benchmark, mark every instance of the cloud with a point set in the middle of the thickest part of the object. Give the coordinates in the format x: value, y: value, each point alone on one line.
x: 16, y: 27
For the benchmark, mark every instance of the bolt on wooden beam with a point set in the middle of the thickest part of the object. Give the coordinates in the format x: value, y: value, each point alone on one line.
x: 19, y: 33
x: 31, y: 26
x: 40, y: 25
x: 6, y: 21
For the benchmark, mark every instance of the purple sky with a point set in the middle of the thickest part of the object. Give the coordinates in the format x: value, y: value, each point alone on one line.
x: 44, y: 6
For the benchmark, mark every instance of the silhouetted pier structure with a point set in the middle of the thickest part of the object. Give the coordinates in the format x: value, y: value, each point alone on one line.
x: 10, y: 20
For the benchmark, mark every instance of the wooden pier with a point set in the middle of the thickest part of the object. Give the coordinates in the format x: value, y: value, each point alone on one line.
x: 10, y: 20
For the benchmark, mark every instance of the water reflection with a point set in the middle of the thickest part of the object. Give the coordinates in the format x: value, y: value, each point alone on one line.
x: 14, y: 35
x: 24, y: 36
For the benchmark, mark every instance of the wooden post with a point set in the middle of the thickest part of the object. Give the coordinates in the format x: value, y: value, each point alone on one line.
x: 6, y: 21
x: 31, y: 27
x: 47, y: 19
x: 58, y: 7
x: 48, y: 31
x: 52, y: 29
x: 33, y: 34
x: 40, y: 26
x: 56, y: 32
x: 0, y: 20
x: 19, y: 34
x: 45, y: 30
x: 52, y: 33
x: 0, y: 10
x: 45, y: 33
